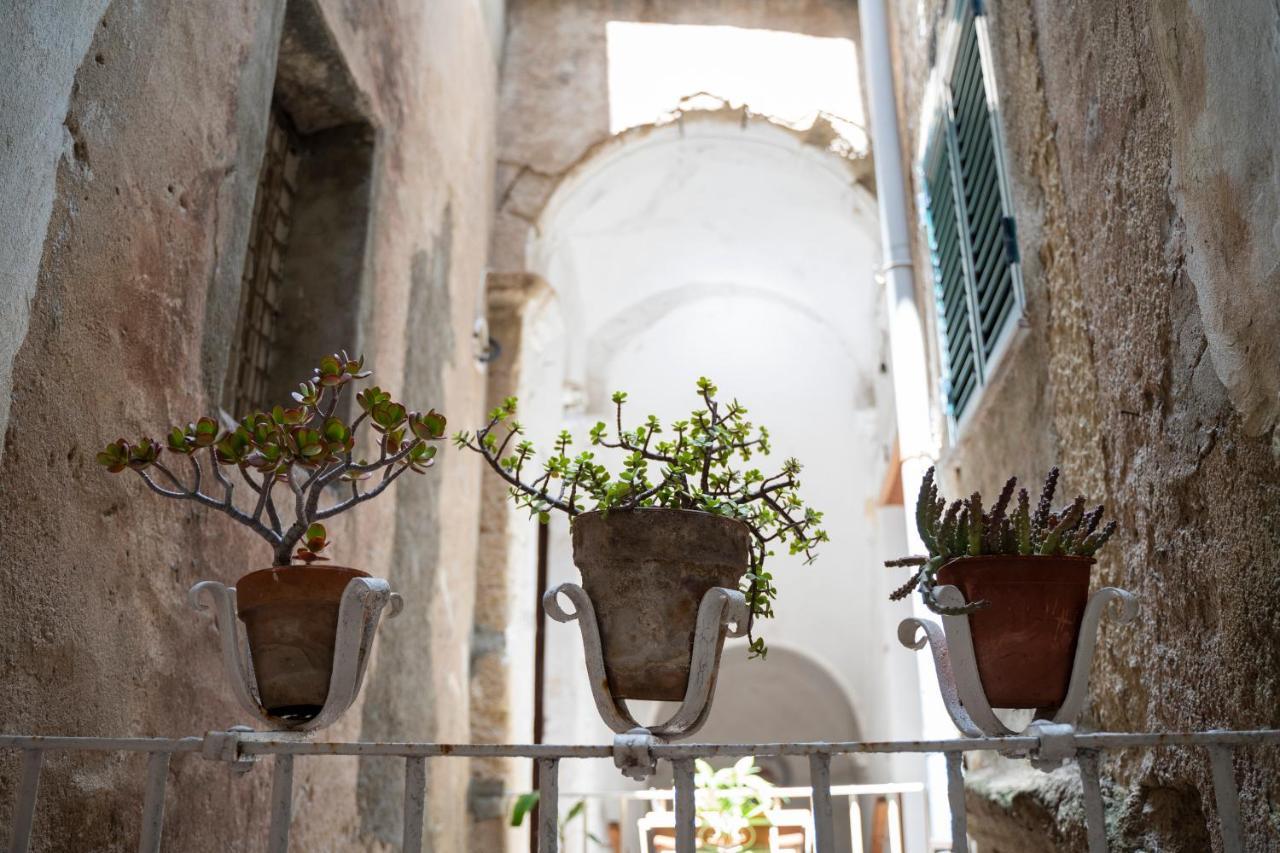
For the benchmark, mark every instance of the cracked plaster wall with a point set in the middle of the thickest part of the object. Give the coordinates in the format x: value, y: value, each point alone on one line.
x: 1144, y: 168
x: 128, y: 172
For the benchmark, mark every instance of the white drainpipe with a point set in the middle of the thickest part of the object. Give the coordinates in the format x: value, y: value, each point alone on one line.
x: 906, y: 336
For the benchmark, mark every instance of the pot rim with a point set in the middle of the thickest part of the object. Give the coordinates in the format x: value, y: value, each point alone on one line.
x: 605, y: 513
x: 1056, y: 558
x: 328, y: 568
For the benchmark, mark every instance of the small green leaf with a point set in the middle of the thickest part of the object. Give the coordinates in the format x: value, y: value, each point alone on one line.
x: 522, y: 806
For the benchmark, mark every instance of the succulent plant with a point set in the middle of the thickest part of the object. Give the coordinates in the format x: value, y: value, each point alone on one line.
x: 693, y: 467
x: 963, y: 529
x: 304, y: 447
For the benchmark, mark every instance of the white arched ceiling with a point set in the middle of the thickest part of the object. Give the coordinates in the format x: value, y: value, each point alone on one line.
x: 665, y: 213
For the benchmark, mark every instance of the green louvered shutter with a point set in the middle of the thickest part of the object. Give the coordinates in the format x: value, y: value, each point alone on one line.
x: 959, y: 365
x: 970, y: 225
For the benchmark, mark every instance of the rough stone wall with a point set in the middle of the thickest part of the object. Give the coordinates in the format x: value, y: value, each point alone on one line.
x: 129, y: 175
x: 1141, y: 140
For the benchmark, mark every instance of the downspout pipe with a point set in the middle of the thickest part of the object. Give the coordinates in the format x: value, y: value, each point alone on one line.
x: 906, y: 331
x: 916, y: 445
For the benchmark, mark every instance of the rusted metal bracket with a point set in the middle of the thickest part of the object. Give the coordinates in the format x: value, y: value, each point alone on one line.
x: 361, y: 607
x: 957, y: 667
x: 721, y: 612
x: 633, y: 753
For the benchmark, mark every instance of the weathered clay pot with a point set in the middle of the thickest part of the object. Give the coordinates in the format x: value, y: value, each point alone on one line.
x: 1025, y: 642
x: 290, y: 615
x: 646, y: 571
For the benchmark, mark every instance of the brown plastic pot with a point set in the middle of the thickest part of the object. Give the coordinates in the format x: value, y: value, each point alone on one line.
x: 646, y: 571
x: 1025, y: 641
x: 290, y: 615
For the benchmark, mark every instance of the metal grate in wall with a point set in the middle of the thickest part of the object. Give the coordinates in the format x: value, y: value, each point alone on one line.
x: 970, y: 225
x: 263, y: 281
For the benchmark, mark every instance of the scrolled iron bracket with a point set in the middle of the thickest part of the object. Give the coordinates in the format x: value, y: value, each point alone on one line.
x: 956, y: 667
x: 359, y: 611
x: 721, y: 612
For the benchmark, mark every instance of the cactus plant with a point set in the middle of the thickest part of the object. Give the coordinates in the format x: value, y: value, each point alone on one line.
x: 962, y: 529
x: 695, y: 470
x: 305, y: 447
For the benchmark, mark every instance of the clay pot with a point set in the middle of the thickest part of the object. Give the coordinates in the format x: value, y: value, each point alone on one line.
x: 646, y: 571
x: 1025, y: 642
x: 290, y: 615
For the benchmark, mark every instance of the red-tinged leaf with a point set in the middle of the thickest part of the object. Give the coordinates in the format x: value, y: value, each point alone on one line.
x: 205, y: 432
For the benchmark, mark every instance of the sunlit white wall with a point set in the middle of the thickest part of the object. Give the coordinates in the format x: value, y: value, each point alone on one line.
x: 790, y: 77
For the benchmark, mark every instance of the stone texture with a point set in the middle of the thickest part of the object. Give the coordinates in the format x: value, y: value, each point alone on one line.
x: 161, y: 111
x: 1147, y: 366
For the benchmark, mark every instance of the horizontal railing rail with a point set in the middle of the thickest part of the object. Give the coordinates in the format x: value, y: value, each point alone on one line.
x: 242, y: 749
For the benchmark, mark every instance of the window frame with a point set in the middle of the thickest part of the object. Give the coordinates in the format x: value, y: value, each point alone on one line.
x: 939, y: 123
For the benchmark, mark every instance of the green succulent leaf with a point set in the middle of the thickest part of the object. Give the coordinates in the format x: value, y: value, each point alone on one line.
x: 115, y: 457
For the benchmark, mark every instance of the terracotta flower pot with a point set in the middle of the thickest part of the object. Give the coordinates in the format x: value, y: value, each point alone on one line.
x: 646, y: 571
x: 290, y: 615
x: 1025, y: 641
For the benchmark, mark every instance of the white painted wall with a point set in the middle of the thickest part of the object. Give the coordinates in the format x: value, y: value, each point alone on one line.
x: 746, y: 255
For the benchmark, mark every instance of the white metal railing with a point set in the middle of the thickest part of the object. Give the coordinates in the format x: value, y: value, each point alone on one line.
x: 660, y: 799
x: 243, y: 748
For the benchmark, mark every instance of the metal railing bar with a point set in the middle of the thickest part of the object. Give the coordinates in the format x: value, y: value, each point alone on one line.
x: 1227, y: 798
x: 674, y: 751
x: 1095, y: 816
x: 415, y: 803
x: 102, y: 744
x: 855, y: 826
x: 803, y: 792
x: 281, y: 804
x: 955, y: 798
x: 896, y: 841
x: 153, y: 803
x: 686, y: 806
x: 25, y: 811
x: 266, y: 746
x: 548, y: 805
x: 823, y: 823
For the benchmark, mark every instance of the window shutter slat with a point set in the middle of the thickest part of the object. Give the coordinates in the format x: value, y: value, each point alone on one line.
x: 971, y: 236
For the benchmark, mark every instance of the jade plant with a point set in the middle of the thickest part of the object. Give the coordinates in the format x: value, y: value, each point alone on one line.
x: 693, y: 464
x: 964, y: 529
x: 296, y: 450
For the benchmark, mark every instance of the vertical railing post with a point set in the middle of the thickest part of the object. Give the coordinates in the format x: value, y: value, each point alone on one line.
x: 1095, y: 815
x: 896, y: 842
x: 1226, y: 797
x: 281, y: 804
x: 548, y: 805
x: 855, y: 824
x: 686, y: 806
x: 820, y: 784
x: 153, y: 803
x: 25, y: 811
x: 955, y: 798
x: 415, y: 802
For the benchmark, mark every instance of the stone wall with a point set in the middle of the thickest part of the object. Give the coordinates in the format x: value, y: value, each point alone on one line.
x: 128, y: 178
x: 1141, y: 142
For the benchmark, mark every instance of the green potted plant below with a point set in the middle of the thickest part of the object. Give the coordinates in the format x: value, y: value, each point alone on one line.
x: 682, y: 516
x: 1025, y: 575
x: 304, y: 452
x: 733, y: 805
